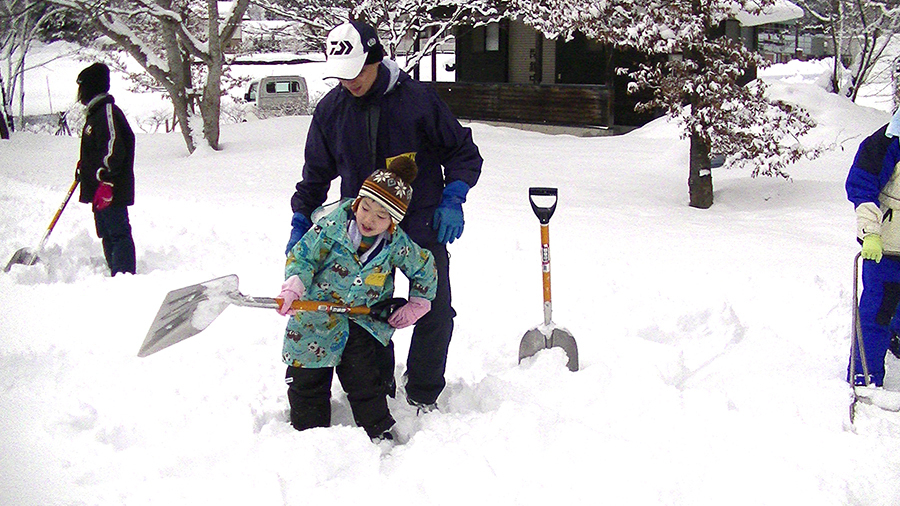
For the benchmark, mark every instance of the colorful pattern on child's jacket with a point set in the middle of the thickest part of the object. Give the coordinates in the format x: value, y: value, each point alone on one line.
x: 326, y: 262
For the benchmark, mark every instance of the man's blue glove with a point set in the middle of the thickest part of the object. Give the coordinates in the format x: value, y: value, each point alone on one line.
x: 300, y: 224
x: 448, y: 217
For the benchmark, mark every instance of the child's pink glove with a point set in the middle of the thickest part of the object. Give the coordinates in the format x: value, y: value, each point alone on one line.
x: 291, y: 290
x: 409, y: 313
x: 103, y: 196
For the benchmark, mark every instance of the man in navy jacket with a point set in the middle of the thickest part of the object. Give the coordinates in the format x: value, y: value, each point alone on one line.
x: 379, y: 113
x: 873, y: 186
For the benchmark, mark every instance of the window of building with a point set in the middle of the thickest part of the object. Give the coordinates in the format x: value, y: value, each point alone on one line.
x: 486, y: 38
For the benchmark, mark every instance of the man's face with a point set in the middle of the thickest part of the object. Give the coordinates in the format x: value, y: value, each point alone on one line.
x: 361, y: 84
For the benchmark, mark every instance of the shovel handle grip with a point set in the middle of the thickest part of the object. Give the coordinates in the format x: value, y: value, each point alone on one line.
x: 543, y: 213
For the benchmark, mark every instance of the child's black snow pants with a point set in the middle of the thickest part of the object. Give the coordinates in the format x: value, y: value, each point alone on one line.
x: 309, y: 389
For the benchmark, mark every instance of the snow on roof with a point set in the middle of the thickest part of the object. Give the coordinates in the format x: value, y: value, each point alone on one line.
x: 781, y: 11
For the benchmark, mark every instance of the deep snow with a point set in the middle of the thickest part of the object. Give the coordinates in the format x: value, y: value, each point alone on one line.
x: 713, y: 343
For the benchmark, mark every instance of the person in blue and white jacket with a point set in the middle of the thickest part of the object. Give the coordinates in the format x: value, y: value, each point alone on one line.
x: 873, y: 185
x: 377, y: 114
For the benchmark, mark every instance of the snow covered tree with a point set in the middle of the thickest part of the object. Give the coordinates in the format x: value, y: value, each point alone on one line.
x: 167, y: 37
x: 695, y: 76
x: 21, y: 22
x: 860, y: 31
x: 431, y: 22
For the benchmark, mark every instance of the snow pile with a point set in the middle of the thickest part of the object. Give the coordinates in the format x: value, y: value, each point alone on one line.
x: 713, y: 343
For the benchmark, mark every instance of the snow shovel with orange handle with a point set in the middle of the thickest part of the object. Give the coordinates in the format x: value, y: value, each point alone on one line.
x: 189, y: 310
x: 28, y: 256
x: 547, y: 335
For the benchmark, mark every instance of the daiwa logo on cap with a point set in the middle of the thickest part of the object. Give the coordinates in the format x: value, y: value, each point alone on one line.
x: 340, y: 47
x: 347, y: 48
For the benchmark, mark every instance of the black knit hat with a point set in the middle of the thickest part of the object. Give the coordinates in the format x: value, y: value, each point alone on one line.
x: 92, y: 81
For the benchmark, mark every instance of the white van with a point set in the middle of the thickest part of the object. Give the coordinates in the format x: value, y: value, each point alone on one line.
x: 278, y: 96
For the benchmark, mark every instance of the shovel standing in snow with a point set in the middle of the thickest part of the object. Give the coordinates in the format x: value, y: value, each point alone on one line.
x: 28, y: 256
x: 547, y: 335
x: 864, y: 394
x: 189, y: 310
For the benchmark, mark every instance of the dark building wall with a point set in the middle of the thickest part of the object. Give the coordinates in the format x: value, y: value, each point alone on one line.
x: 477, y: 61
x: 575, y: 62
x: 581, y: 61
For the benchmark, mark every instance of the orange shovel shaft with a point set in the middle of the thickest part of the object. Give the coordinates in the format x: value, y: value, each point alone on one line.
x: 545, y: 260
x: 324, y: 307
x: 63, y: 205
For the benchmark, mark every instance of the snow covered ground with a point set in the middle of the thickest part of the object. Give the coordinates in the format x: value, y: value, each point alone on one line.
x: 713, y: 343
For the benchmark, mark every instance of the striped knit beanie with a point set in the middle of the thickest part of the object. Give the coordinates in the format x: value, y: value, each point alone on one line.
x: 390, y: 187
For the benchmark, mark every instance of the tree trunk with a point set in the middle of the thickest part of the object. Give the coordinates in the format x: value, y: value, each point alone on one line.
x: 4, y: 128
x: 897, y: 83
x: 180, y: 102
x: 210, y: 104
x: 700, y: 179
x: 4, y: 117
x: 180, y: 76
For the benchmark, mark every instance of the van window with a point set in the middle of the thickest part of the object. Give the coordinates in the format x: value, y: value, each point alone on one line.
x: 283, y: 87
x: 251, y: 94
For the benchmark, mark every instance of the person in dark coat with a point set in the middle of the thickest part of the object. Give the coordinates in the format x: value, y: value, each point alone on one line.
x: 376, y: 114
x: 106, y: 168
x: 873, y: 186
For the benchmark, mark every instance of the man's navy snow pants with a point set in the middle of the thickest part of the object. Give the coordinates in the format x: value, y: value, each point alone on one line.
x: 878, y: 305
x: 114, y: 230
x: 427, y: 359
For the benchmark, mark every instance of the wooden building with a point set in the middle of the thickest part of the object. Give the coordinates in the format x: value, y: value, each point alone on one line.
x: 509, y: 72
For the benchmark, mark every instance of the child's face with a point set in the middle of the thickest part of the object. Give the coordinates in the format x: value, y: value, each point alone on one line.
x: 371, y: 217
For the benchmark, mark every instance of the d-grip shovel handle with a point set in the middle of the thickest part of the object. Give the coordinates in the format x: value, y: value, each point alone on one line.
x: 543, y: 213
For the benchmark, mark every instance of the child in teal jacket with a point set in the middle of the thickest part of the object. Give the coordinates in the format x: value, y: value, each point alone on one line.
x: 349, y: 257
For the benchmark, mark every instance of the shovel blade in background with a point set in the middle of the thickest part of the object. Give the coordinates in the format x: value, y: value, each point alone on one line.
x: 187, y: 311
x: 535, y: 340
x: 24, y: 256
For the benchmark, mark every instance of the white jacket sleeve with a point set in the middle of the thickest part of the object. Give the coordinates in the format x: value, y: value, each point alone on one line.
x: 868, y: 219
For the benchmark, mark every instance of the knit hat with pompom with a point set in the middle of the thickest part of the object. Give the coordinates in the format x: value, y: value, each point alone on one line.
x: 391, y: 187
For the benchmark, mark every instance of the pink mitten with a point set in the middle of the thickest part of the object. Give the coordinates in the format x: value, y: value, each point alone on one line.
x: 291, y: 290
x: 103, y: 196
x: 409, y: 313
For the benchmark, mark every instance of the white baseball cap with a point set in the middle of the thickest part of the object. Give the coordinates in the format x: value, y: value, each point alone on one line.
x: 350, y: 46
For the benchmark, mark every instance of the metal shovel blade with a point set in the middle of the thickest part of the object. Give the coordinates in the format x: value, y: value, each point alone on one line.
x: 187, y: 311
x: 24, y: 256
x: 535, y: 340
x: 28, y: 256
